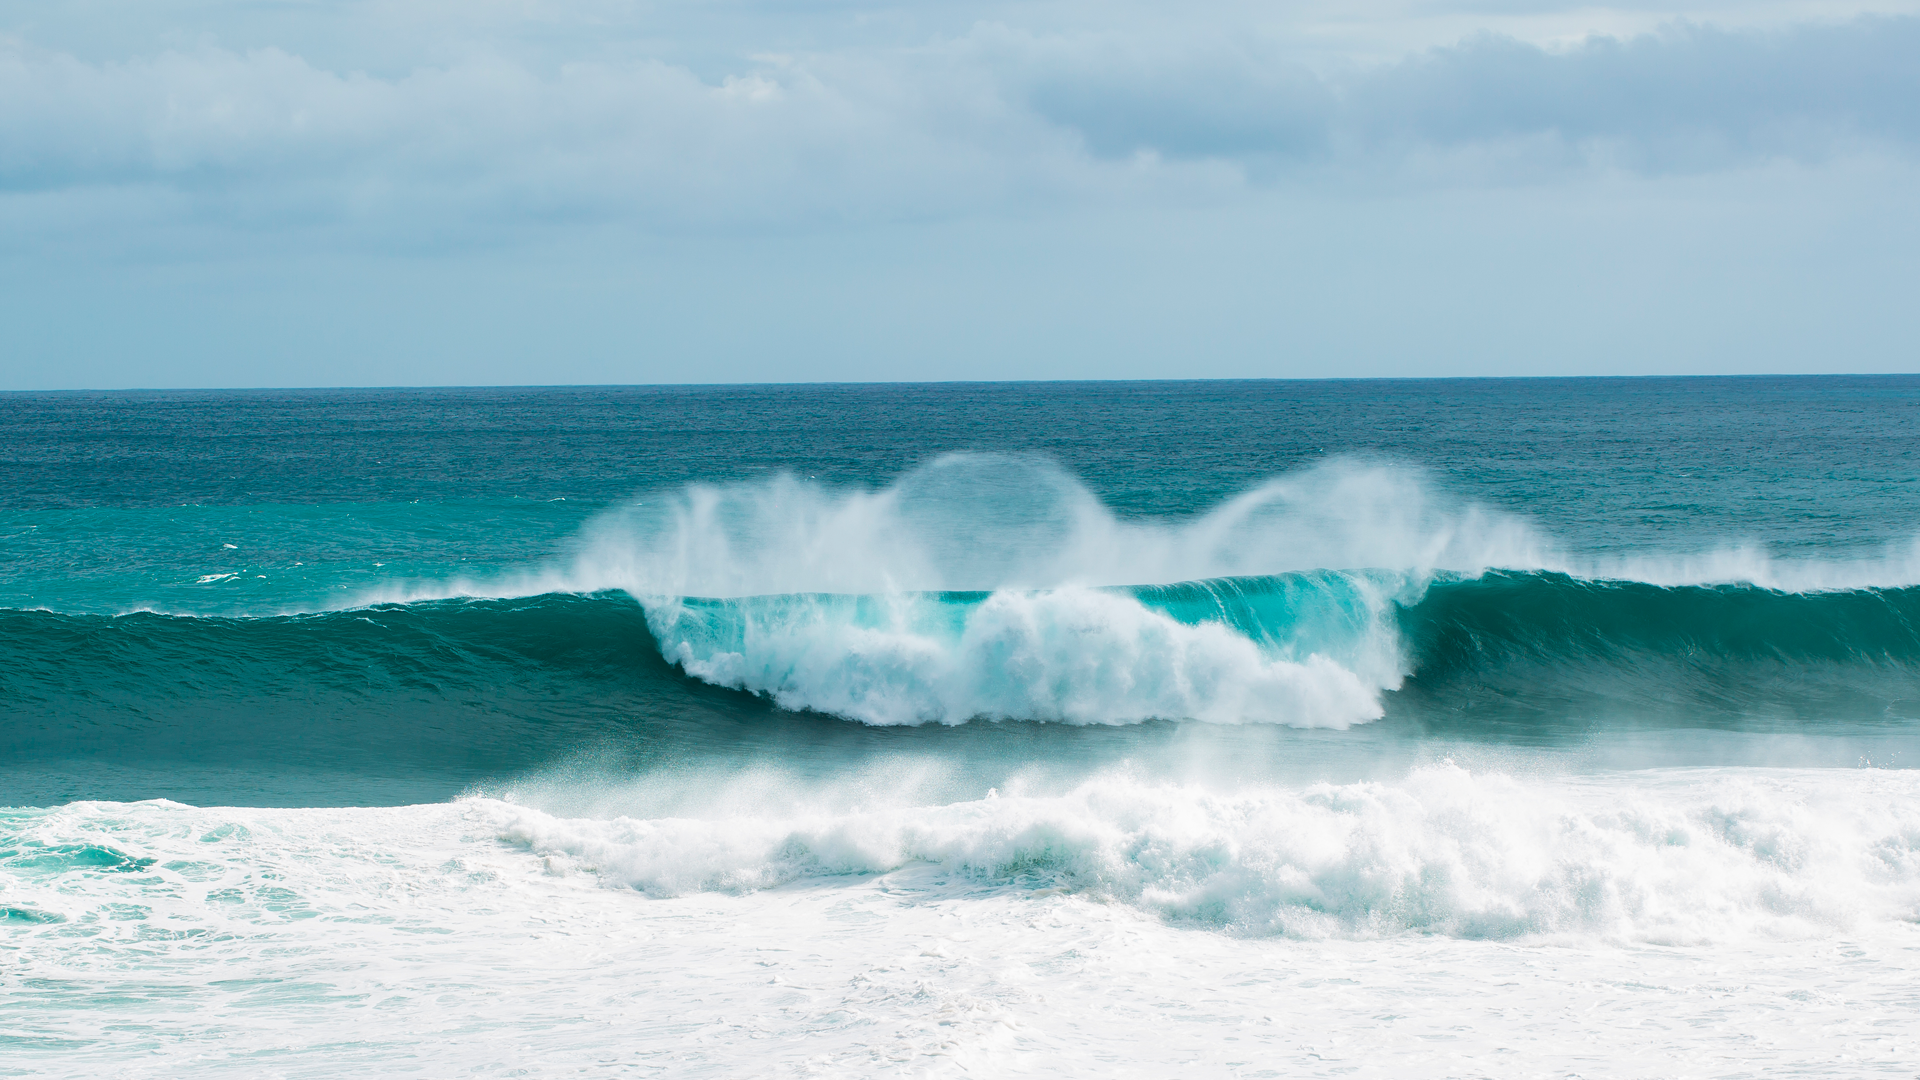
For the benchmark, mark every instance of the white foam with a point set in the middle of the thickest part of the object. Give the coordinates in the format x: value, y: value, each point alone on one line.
x: 1896, y: 566
x: 1074, y: 935
x: 1074, y: 655
x: 1687, y: 858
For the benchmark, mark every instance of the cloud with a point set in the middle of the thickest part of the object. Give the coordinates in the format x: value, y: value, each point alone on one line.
x: 1686, y: 98
x: 482, y: 135
x: 993, y: 119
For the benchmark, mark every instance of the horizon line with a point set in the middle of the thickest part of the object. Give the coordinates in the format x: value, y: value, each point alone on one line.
x: 853, y: 383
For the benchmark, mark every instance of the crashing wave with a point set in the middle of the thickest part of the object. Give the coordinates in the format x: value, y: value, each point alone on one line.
x: 1686, y: 858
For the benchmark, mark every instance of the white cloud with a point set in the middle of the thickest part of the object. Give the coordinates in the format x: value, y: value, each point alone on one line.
x: 489, y: 136
x: 1061, y: 187
x: 998, y: 118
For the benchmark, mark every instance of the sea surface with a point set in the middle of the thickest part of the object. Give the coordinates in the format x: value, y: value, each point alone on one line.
x: 1456, y: 728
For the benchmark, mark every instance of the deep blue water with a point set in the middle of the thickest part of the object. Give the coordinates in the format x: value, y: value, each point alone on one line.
x: 327, y: 597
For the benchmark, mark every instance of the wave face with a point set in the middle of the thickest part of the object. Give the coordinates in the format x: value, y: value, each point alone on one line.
x: 458, y: 689
x: 1525, y: 647
x: 496, y: 685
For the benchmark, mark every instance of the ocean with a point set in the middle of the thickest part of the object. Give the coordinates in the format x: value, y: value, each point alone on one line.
x: 1427, y: 728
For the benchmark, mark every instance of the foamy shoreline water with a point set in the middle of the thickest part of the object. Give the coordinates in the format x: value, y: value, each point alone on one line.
x: 1773, y: 926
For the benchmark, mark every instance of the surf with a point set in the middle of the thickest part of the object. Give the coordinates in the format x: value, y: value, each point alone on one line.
x: 1328, y: 648
x: 978, y: 592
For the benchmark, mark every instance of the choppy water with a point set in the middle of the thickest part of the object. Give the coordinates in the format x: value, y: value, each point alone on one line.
x: 1434, y: 728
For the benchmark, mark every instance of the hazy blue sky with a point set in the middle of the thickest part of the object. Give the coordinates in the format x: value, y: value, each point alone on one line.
x: 349, y: 192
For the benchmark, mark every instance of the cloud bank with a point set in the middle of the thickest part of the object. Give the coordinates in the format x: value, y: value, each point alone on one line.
x: 995, y: 118
x: 327, y: 192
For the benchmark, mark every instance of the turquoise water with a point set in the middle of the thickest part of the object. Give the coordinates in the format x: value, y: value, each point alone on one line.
x: 354, y: 596
x: 1443, y: 728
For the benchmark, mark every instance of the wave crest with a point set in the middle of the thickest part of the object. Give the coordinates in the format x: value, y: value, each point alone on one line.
x: 985, y: 522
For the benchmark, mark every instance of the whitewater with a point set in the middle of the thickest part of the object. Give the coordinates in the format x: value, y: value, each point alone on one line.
x: 1402, y: 729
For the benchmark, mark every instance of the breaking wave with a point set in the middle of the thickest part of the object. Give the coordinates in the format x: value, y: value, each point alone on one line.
x: 1323, y: 649
x: 1680, y: 858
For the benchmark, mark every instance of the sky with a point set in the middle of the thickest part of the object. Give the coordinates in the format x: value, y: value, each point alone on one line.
x: 226, y: 193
